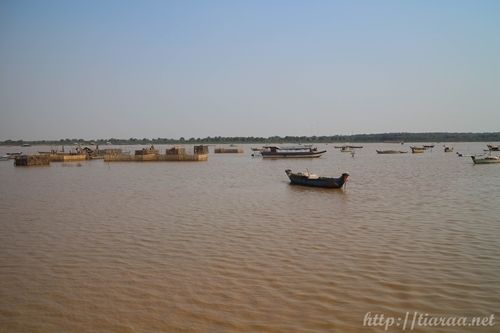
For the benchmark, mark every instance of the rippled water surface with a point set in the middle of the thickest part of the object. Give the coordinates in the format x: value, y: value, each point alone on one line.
x: 229, y: 246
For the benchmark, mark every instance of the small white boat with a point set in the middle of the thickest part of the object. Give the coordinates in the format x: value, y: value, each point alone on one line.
x: 485, y: 160
x: 12, y: 156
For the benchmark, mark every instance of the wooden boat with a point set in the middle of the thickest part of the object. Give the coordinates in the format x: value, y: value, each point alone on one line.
x: 348, y: 146
x: 12, y: 156
x: 308, y: 179
x: 391, y: 152
x: 428, y: 146
x: 448, y: 149
x: 417, y: 150
x: 485, y: 160
x: 257, y: 149
x: 346, y: 149
x: 493, y: 148
x: 291, y: 152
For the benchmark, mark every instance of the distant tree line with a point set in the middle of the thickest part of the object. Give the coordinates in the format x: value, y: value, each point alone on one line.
x: 380, y: 137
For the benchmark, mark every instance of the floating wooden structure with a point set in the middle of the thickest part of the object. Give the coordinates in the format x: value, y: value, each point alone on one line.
x: 201, y: 150
x: 174, y: 154
x: 95, y: 154
x: 156, y: 158
x: 147, y: 151
x: 177, y: 150
x: 32, y: 160
x: 231, y: 150
x: 66, y: 157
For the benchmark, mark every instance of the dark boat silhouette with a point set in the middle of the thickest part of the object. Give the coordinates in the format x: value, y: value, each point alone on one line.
x: 308, y: 179
x: 391, y: 152
x: 291, y: 152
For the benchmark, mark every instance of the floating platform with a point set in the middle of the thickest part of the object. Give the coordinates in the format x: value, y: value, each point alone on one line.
x: 156, y: 158
x: 67, y: 157
x: 32, y: 160
x: 174, y: 154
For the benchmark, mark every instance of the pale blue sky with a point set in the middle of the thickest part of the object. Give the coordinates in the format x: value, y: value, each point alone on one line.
x: 100, y: 69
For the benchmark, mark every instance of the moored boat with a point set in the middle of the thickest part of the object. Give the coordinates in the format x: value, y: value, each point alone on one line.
x: 493, y: 148
x: 448, y: 149
x: 391, y: 152
x: 12, y: 156
x: 308, y: 179
x: 417, y: 150
x: 485, y: 160
x: 291, y: 152
x: 348, y: 146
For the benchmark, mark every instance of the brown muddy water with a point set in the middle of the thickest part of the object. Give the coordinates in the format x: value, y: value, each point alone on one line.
x: 229, y: 246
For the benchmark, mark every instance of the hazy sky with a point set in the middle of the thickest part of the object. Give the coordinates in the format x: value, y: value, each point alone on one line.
x: 100, y: 69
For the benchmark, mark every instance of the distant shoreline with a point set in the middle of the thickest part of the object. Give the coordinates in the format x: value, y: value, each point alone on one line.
x: 359, y: 138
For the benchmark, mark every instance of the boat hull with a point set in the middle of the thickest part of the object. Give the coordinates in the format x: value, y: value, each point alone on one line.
x: 390, y: 152
x: 324, y: 182
x: 485, y: 161
x: 308, y: 154
x: 417, y: 150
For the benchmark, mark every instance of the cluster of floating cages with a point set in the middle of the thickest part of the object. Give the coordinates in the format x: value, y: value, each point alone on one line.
x: 32, y: 160
x: 177, y: 153
x: 173, y: 154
